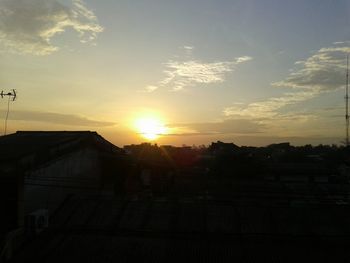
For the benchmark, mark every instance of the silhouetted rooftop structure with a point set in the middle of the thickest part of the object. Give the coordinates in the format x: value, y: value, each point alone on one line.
x: 22, y: 143
x: 223, y: 148
x: 39, y: 170
x: 282, y: 145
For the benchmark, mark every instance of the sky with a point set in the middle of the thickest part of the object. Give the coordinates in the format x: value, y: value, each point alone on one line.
x: 250, y: 72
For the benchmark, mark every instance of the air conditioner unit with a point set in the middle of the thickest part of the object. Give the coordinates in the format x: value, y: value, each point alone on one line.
x: 37, y: 221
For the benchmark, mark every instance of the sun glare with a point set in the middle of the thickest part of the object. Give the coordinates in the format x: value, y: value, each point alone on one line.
x: 150, y: 128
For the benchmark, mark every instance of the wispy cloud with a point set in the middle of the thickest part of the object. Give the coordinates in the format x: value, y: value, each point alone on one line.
x: 341, y: 42
x: 181, y: 74
x: 188, y: 73
x: 325, y: 70
x: 188, y: 47
x: 28, y: 26
x: 228, y: 126
x: 321, y: 73
x: 56, y: 118
x: 150, y: 88
x: 268, y: 108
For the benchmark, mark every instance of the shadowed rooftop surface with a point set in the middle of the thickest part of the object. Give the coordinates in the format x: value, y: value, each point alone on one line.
x: 107, y: 229
x: 22, y: 143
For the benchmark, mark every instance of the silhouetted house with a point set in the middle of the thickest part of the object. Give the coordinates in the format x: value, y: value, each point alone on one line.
x: 145, y: 153
x: 284, y: 146
x: 44, y: 168
x: 184, y: 156
x: 219, y: 148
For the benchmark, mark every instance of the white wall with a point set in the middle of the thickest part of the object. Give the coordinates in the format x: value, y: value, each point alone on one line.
x: 48, y: 186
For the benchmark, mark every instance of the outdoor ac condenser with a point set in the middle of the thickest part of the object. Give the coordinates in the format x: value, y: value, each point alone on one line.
x: 37, y: 221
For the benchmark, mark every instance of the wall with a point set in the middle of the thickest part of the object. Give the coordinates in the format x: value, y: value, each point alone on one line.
x: 48, y: 186
x: 11, y: 202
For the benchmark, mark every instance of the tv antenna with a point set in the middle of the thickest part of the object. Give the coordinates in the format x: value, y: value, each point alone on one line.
x: 347, y: 102
x: 11, y: 97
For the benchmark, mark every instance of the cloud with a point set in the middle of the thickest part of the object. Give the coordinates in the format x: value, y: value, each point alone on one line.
x: 324, y: 71
x: 269, y: 108
x: 243, y: 59
x: 229, y: 126
x: 27, y: 27
x: 188, y: 73
x: 321, y: 73
x: 188, y: 47
x: 341, y: 42
x: 55, y: 118
x: 151, y: 88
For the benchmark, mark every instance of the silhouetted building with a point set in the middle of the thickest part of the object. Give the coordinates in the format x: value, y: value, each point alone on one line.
x: 40, y: 170
x: 218, y: 148
x: 175, y: 212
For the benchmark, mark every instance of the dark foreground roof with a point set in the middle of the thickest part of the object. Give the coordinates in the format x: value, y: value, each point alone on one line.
x: 107, y: 229
x: 22, y: 143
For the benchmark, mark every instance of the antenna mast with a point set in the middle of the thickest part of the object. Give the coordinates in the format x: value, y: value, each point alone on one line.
x: 11, y: 96
x: 347, y: 102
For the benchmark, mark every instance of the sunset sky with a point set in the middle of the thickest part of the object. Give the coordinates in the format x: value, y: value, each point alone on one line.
x: 251, y: 72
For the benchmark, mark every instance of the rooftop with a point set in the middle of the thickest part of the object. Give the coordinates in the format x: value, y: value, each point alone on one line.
x: 21, y: 143
x: 108, y: 229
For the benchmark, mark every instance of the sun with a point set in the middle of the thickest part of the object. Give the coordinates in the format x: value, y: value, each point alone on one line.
x: 150, y: 127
